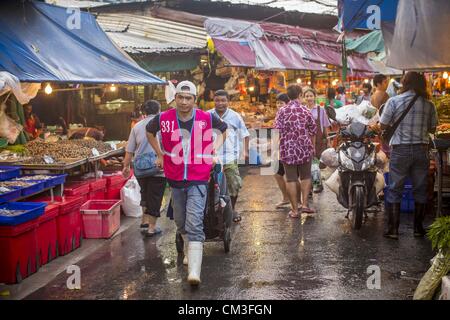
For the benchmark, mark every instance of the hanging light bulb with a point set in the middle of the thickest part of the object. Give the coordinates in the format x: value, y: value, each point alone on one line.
x: 48, y: 89
x: 309, y: 83
x: 251, y: 89
x: 445, y: 75
x: 299, y: 80
x: 366, y: 80
x: 113, y: 88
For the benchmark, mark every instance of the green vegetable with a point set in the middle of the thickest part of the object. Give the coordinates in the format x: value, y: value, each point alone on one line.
x: 439, y: 234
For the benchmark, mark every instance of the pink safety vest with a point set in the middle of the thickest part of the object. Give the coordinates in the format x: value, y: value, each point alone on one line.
x: 197, y: 165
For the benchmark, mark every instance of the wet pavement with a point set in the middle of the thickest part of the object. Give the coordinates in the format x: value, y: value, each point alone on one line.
x: 272, y: 257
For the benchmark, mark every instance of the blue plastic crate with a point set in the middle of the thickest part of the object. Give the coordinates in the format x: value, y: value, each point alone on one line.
x: 9, y: 173
x: 12, y: 195
x: 48, y: 183
x: 57, y: 180
x: 32, y: 210
x: 36, y: 187
x: 407, y: 204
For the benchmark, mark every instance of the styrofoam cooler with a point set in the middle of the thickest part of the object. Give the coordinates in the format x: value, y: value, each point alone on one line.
x: 101, y: 218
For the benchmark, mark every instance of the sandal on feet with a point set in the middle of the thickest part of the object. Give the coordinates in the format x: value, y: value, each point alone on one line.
x: 154, y: 232
x: 308, y: 210
x: 293, y: 215
x: 281, y: 204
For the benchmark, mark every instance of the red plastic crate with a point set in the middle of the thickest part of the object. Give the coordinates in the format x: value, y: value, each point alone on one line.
x: 97, y: 195
x: 101, y: 218
x: 114, y: 179
x: 18, y: 252
x: 68, y: 223
x: 113, y: 193
x: 97, y: 184
x: 47, y: 234
x: 76, y: 188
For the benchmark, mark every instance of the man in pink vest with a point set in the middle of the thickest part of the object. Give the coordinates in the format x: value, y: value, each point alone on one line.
x: 187, y: 159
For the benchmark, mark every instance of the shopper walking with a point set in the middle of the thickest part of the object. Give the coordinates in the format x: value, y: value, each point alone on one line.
x: 187, y: 160
x: 322, y: 123
x: 409, y: 154
x: 150, y: 178
x: 282, y: 100
x: 297, y: 130
x: 230, y: 151
x: 379, y: 97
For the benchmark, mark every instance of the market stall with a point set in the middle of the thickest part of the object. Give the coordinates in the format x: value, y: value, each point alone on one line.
x: 66, y: 182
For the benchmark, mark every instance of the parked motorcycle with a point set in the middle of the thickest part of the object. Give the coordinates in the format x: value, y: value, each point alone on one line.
x: 357, y: 180
x: 357, y: 171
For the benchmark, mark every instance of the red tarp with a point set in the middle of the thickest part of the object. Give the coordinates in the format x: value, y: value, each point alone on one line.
x: 291, y: 58
x: 238, y: 53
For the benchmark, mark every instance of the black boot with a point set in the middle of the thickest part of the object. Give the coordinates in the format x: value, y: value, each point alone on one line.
x: 392, y: 210
x: 419, y: 214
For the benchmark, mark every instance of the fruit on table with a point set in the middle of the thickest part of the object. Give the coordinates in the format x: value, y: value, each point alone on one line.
x: 35, y: 177
x: 11, y: 213
x: 13, y: 183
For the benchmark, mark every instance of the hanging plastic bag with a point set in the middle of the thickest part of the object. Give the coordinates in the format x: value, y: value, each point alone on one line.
x: 9, y: 129
x: 333, y: 182
x: 130, y: 194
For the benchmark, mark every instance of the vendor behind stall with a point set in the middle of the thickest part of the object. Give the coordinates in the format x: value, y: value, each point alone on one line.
x: 32, y: 126
x: 87, y: 133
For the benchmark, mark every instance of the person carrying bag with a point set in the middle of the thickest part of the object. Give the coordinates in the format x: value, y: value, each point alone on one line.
x: 149, y: 176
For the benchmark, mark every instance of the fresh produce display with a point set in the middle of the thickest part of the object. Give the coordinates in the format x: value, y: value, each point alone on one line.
x: 11, y: 213
x: 443, y: 106
x: 63, y: 150
x: 15, y: 183
x: 35, y: 177
x: 443, y: 130
x: 5, y: 190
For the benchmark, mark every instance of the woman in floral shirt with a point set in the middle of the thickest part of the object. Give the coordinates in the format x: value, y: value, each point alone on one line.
x: 297, y: 129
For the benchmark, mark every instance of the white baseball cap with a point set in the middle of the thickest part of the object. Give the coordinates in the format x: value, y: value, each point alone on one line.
x: 186, y: 87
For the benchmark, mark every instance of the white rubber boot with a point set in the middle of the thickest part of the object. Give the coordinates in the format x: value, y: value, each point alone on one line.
x: 185, y: 249
x: 195, y: 262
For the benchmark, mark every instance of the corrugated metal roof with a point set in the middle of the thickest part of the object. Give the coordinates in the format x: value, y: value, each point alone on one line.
x: 145, y: 34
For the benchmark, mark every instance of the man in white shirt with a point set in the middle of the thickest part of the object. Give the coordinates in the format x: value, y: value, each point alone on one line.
x: 230, y: 151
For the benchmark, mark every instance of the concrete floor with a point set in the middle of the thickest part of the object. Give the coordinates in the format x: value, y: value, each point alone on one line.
x: 272, y: 257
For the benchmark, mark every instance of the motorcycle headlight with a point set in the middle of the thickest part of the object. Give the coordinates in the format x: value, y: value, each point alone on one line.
x: 368, y: 162
x: 346, y: 162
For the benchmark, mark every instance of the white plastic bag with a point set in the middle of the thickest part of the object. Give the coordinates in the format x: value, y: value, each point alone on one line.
x: 315, y: 173
x: 9, y: 129
x: 333, y: 182
x: 329, y: 157
x: 130, y: 194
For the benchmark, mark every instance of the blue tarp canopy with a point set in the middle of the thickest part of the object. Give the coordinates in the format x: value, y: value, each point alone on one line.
x: 41, y: 42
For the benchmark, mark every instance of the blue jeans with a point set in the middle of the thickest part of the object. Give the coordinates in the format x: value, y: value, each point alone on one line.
x: 188, y: 210
x: 408, y: 161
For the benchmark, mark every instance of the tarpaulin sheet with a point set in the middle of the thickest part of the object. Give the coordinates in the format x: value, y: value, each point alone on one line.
x: 366, y: 14
x: 283, y: 55
x: 290, y: 56
x: 41, y: 42
x: 420, y: 39
x: 371, y: 42
x: 238, y: 53
x: 332, y: 55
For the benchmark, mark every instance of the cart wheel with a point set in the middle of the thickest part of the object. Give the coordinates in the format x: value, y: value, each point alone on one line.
x: 179, y: 243
x: 227, y: 240
x: 18, y: 274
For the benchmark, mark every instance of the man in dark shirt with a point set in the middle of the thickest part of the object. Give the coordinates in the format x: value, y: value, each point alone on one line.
x: 187, y: 177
